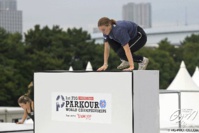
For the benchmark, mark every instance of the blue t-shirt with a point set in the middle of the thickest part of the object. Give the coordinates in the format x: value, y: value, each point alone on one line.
x: 122, y: 32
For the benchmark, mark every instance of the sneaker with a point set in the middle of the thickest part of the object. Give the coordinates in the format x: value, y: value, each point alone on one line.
x: 142, y: 65
x: 123, y: 65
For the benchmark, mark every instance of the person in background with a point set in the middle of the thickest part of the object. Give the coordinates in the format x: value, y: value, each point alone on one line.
x: 27, y: 104
x: 125, y: 38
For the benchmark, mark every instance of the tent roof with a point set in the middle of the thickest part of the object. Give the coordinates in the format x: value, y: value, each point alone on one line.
x: 89, y: 67
x: 70, y: 68
x: 195, y: 76
x: 183, y: 80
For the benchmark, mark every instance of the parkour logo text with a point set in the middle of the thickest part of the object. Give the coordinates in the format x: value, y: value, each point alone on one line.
x: 73, y: 103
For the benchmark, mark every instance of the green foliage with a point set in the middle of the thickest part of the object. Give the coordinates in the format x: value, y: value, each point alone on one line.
x: 11, y: 80
x: 190, y: 52
x: 57, y: 49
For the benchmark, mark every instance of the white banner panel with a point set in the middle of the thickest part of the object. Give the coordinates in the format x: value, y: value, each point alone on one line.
x: 81, y: 107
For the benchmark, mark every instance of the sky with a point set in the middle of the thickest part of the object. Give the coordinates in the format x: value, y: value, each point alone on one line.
x: 86, y: 13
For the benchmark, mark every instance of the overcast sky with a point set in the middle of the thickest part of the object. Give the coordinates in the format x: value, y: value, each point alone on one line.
x: 85, y: 13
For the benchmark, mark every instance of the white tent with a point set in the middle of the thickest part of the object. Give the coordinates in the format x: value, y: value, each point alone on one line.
x: 195, y: 76
x: 89, y: 67
x: 169, y: 101
x: 70, y: 68
x: 183, y: 80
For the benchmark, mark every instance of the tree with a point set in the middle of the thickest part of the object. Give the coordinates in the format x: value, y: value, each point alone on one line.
x: 190, y: 52
x: 48, y: 49
x: 11, y: 80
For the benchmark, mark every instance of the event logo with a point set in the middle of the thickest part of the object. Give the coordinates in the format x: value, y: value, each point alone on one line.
x: 60, y: 102
x: 81, y: 107
x: 103, y: 103
x: 80, y: 104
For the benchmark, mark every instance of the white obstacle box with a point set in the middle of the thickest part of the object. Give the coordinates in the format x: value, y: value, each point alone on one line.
x: 97, y: 102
